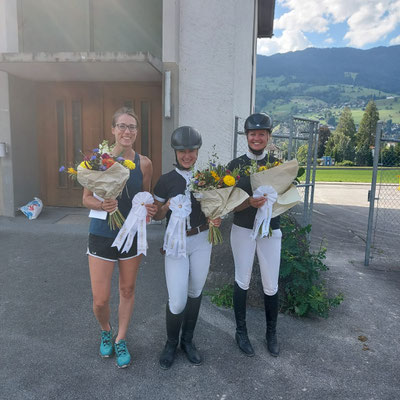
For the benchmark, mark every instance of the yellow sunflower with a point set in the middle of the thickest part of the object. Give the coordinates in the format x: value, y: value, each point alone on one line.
x: 262, y: 168
x: 72, y: 171
x: 229, y: 180
x: 215, y: 176
x: 129, y: 164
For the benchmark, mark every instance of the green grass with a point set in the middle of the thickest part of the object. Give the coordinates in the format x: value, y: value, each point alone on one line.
x: 363, y: 175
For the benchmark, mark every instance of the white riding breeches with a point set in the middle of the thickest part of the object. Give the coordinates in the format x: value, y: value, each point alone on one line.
x: 186, y: 276
x: 268, y: 253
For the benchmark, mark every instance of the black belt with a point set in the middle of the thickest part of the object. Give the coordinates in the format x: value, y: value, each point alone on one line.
x: 198, y: 229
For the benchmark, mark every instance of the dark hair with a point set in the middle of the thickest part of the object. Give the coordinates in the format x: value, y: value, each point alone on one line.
x: 123, y: 111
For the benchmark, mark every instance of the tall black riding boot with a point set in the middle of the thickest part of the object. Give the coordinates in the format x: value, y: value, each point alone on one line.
x: 239, y: 306
x: 174, y: 322
x: 188, y: 325
x: 271, y: 304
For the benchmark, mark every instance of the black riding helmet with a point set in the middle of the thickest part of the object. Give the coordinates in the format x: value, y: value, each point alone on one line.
x: 258, y: 121
x: 186, y: 138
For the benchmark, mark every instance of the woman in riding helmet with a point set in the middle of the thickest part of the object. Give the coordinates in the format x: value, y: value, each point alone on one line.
x: 258, y: 129
x: 185, y: 274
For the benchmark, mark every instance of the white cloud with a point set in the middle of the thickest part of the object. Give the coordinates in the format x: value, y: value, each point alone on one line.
x: 289, y: 41
x: 329, y: 40
x: 368, y: 20
x: 395, y: 40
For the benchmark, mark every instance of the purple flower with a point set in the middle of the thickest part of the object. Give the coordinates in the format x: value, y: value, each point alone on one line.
x: 196, y: 181
x: 93, y: 158
x: 62, y: 169
x: 120, y: 159
x: 212, y: 164
x: 103, y: 168
x: 96, y: 150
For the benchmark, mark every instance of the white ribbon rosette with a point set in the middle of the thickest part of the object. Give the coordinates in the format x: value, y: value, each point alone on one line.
x: 175, y: 235
x: 134, y: 224
x: 281, y: 179
x: 264, y: 213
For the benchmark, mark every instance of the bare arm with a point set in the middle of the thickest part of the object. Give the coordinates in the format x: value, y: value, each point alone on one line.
x: 251, y: 202
x: 146, y: 167
x: 162, y: 209
x: 89, y: 201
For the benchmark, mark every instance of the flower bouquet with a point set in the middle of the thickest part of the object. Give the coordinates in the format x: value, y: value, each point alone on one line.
x: 105, y: 176
x: 274, y: 181
x: 215, y: 189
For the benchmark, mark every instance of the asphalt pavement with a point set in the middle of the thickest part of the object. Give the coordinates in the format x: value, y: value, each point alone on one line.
x: 49, y: 337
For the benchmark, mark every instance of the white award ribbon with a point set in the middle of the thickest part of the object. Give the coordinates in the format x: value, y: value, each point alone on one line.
x: 264, y: 213
x: 187, y: 176
x: 134, y: 224
x: 175, y: 235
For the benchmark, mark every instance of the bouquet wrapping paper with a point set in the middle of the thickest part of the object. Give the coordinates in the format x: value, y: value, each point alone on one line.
x: 281, y: 179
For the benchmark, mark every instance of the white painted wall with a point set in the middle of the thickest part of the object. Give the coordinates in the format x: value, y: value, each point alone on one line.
x: 215, y: 68
x: 6, y: 165
x: 8, y: 26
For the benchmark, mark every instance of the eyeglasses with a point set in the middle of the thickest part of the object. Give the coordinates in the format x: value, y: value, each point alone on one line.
x: 122, y: 127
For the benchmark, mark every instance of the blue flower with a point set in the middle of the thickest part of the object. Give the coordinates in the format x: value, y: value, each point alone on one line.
x: 119, y: 159
x: 93, y: 158
x: 62, y: 169
x: 103, y: 168
x: 196, y: 181
x: 212, y: 164
x: 96, y: 150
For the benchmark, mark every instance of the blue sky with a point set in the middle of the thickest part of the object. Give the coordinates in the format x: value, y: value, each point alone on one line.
x: 361, y: 24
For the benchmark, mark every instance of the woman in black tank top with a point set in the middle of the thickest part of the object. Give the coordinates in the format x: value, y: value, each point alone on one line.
x: 100, y: 253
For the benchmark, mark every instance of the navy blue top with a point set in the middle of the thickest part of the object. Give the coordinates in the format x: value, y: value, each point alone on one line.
x: 245, y: 218
x: 170, y: 185
x: 133, y: 185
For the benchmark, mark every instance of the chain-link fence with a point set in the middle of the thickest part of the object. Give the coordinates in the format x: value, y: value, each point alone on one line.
x: 297, y: 139
x: 383, y: 237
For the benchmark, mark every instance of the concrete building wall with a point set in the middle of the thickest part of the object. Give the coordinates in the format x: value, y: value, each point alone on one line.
x: 170, y: 58
x: 6, y: 163
x: 8, y: 26
x: 80, y: 25
x: 215, y: 70
x: 26, y: 169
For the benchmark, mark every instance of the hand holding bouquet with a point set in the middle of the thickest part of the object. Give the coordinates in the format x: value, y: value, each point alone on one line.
x: 215, y: 189
x: 274, y: 182
x: 104, y: 175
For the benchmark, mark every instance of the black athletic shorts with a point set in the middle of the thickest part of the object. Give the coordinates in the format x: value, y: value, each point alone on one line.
x: 100, y: 247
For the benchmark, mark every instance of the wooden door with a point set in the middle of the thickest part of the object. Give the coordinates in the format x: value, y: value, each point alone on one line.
x: 76, y: 117
x: 70, y: 122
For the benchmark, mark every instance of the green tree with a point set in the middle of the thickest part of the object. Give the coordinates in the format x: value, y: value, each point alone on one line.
x: 346, y: 125
x: 364, y: 155
x: 340, y: 147
x: 323, y: 137
x: 367, y: 130
x: 302, y: 154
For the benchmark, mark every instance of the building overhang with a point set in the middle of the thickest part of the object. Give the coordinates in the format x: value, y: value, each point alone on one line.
x: 266, y: 12
x: 83, y: 66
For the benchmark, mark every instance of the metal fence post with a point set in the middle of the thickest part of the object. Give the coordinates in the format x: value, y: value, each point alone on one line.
x: 372, y: 199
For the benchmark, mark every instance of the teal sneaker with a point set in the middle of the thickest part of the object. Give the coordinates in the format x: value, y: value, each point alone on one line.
x: 122, y: 353
x: 106, y: 345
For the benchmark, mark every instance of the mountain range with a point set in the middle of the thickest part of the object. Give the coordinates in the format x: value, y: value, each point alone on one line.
x: 319, y: 82
x: 376, y: 68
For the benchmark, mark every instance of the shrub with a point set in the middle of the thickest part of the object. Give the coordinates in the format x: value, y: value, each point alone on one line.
x: 346, y: 163
x: 222, y: 297
x: 303, y: 292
